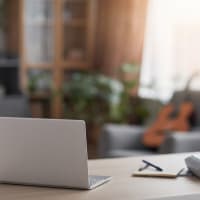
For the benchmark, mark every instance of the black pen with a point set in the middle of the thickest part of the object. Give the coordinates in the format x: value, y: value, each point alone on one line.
x: 152, y: 165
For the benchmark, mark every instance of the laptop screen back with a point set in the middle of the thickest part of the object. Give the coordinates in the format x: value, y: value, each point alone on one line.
x: 43, y: 152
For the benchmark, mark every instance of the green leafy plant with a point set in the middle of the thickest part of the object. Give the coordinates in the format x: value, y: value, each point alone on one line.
x: 134, y: 107
x: 97, y: 98
x: 39, y: 81
x: 91, y: 97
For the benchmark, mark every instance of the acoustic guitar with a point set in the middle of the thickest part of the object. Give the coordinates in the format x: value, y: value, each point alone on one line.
x: 164, y: 124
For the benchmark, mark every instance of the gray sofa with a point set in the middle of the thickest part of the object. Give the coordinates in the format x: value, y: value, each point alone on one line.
x: 126, y: 140
x: 14, y: 106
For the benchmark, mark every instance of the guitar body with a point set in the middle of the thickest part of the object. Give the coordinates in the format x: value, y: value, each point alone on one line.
x: 156, y: 134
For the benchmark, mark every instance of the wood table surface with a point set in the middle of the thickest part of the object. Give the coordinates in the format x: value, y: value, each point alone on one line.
x: 122, y: 186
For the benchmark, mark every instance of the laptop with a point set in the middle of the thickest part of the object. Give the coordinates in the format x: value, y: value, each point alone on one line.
x: 45, y: 152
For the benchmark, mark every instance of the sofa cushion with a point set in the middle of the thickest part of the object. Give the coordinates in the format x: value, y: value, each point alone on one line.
x: 128, y: 153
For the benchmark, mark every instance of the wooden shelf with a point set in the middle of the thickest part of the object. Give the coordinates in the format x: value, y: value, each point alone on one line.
x: 72, y: 64
x: 32, y: 23
x: 75, y: 23
x: 39, y: 96
x: 75, y: 1
x: 79, y: 29
x: 44, y: 66
x: 40, y: 104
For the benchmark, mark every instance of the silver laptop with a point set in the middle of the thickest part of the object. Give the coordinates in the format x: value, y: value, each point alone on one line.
x: 45, y: 152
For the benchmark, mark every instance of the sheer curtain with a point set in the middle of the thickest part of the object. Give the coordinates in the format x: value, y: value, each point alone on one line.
x: 171, y: 48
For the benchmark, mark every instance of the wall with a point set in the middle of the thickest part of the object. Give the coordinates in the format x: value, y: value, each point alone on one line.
x: 120, y: 33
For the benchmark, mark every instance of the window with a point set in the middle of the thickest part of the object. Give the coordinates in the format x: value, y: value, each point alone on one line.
x: 171, y: 49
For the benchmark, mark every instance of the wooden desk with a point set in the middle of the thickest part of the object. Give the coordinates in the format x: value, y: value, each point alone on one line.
x: 123, y: 186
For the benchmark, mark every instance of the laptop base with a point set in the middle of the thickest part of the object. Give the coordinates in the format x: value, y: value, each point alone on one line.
x: 96, y: 181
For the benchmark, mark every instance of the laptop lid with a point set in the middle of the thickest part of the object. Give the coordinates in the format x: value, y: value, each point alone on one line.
x: 47, y: 152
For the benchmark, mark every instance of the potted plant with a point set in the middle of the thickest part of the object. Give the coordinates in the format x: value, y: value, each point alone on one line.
x: 98, y: 99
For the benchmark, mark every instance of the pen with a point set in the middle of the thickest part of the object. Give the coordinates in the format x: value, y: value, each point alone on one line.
x: 152, y: 165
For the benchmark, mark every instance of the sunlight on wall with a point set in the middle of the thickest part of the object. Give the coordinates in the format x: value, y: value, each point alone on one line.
x: 172, y: 47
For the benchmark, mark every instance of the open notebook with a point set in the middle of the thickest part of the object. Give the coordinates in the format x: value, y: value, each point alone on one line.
x: 169, y: 171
